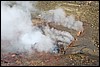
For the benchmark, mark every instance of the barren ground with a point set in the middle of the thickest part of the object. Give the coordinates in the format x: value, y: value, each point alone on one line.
x: 85, y: 11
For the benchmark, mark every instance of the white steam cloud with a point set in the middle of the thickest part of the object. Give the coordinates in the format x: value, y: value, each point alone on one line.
x: 18, y: 34
x: 16, y: 28
x: 59, y: 17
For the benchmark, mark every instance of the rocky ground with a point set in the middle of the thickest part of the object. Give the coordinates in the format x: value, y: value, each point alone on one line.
x: 88, y: 41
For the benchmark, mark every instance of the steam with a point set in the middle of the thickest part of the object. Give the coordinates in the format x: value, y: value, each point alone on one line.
x: 18, y: 33
x: 38, y: 41
x: 16, y: 28
x: 58, y: 16
x: 63, y: 36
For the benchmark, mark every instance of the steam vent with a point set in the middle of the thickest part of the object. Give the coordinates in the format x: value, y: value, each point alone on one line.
x: 49, y: 33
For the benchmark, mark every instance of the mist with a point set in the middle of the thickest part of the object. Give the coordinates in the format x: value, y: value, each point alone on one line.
x: 19, y: 34
x: 59, y: 17
x: 17, y: 29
